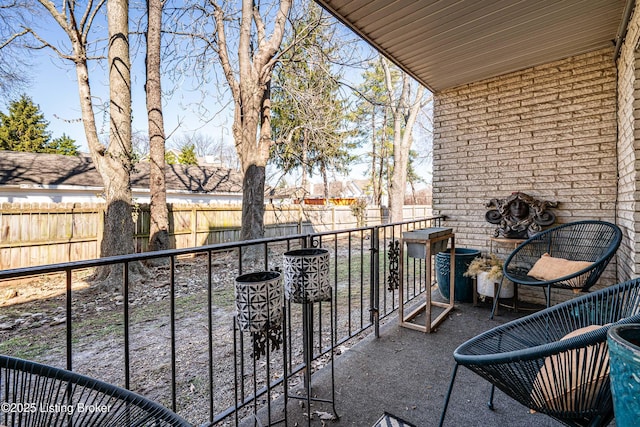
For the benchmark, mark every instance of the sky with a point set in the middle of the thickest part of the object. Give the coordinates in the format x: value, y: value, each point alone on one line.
x: 54, y: 89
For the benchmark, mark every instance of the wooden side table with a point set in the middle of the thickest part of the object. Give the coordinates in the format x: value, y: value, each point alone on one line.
x: 503, y: 241
x: 429, y: 240
x: 510, y: 244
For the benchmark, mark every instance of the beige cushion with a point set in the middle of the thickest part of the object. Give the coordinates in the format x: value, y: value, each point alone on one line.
x: 549, y: 268
x: 570, y: 389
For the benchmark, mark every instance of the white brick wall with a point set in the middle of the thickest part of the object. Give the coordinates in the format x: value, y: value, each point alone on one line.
x: 548, y: 131
x: 628, y: 144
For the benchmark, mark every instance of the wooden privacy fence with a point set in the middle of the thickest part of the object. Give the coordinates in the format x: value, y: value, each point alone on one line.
x: 48, y: 233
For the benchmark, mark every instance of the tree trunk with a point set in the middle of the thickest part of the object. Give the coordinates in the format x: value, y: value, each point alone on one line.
x: 251, y: 93
x: 305, y: 160
x: 159, y: 214
x: 112, y: 163
x: 253, y: 202
x: 325, y: 180
x: 398, y: 184
x: 116, y: 163
x: 254, y: 156
x: 404, y: 117
x: 374, y: 176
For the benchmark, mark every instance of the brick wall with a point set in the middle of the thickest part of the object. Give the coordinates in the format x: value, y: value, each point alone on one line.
x: 628, y: 122
x: 548, y: 131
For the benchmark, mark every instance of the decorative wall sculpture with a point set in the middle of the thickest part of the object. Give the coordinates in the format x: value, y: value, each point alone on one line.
x: 519, y: 216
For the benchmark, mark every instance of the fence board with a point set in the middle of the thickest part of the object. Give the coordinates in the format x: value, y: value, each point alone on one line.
x: 39, y: 234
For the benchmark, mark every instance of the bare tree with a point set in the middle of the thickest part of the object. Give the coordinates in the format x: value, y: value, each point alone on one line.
x: 159, y: 213
x: 14, y: 65
x: 250, y: 87
x: 115, y: 162
x: 404, y: 112
x: 112, y: 161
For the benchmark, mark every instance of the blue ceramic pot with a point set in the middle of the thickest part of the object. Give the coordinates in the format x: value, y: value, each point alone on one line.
x: 624, y: 358
x: 463, y: 285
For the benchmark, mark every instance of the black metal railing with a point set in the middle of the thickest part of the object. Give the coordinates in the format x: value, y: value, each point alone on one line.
x: 164, y: 326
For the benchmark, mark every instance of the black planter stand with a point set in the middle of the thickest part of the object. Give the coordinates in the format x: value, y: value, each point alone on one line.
x: 260, y: 312
x: 307, y: 343
x: 306, y: 273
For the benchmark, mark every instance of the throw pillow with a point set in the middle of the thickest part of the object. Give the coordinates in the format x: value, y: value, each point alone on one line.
x: 550, y: 268
x: 570, y: 381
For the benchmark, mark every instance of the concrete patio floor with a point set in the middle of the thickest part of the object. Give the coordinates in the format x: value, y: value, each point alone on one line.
x: 407, y: 373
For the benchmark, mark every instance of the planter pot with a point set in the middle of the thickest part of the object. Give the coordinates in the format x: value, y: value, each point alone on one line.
x: 463, y: 285
x: 417, y: 249
x: 259, y: 301
x: 624, y: 359
x: 306, y: 275
x: 485, y: 286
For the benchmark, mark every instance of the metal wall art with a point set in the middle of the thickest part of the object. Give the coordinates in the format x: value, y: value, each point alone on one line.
x: 393, y: 280
x: 259, y: 308
x: 519, y: 216
x: 306, y: 275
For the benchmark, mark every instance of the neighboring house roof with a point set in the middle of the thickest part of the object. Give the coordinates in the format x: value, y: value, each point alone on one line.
x: 348, y: 188
x: 46, y: 170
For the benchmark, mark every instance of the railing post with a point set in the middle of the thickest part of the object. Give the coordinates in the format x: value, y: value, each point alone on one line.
x: 374, y: 274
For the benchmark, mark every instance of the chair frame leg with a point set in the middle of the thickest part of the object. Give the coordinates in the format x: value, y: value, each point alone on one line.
x: 490, y: 402
x: 547, y: 295
x: 446, y: 399
x: 496, y: 298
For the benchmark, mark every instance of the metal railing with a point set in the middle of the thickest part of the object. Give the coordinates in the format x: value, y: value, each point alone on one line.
x: 162, y: 323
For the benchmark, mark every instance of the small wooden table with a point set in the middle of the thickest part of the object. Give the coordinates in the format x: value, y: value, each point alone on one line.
x: 405, y: 320
x: 510, y: 244
x: 504, y: 241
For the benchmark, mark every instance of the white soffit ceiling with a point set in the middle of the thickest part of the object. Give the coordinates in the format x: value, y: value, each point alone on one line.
x: 448, y: 43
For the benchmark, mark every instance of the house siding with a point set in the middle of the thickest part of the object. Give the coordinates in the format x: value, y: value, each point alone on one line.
x: 548, y: 131
x: 628, y: 145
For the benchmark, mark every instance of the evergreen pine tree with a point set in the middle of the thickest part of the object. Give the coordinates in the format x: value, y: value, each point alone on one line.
x: 188, y: 155
x: 24, y: 128
x: 170, y: 158
x: 62, y: 145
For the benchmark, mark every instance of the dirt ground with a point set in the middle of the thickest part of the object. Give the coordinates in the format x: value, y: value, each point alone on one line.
x: 33, y: 326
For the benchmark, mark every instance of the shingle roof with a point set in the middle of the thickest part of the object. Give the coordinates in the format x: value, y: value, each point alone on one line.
x: 19, y: 168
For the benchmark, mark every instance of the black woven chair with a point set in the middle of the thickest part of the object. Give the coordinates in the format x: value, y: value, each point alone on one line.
x: 37, y: 395
x: 593, y: 241
x: 546, y: 364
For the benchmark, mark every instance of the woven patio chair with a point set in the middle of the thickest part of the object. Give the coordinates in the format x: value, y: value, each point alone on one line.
x: 37, y: 395
x: 555, y: 361
x: 569, y: 256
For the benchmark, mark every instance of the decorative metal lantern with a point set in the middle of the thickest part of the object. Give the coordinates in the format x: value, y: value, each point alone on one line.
x: 306, y: 275
x: 259, y: 308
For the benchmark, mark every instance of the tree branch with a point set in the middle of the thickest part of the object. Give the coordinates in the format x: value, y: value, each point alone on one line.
x: 50, y: 46
x: 13, y: 37
x: 270, y: 47
x: 223, y: 52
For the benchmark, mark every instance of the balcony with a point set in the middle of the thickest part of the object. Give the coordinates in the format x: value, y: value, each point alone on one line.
x: 168, y: 332
x: 406, y: 373
x: 170, y: 335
